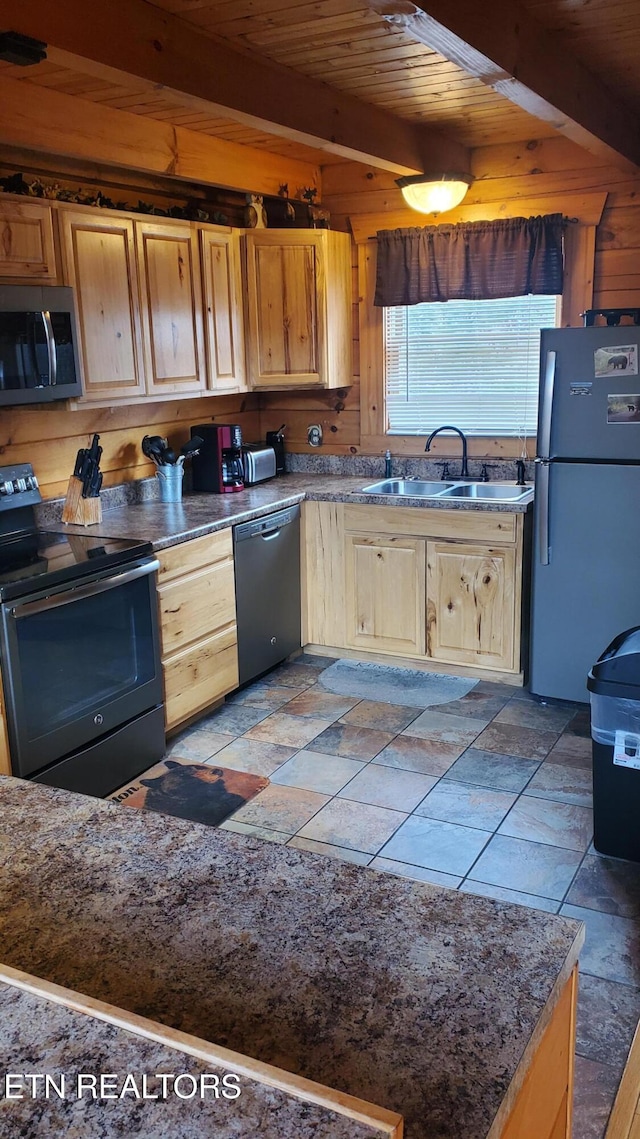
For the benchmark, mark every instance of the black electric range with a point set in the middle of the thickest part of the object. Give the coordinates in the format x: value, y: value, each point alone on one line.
x: 79, y: 648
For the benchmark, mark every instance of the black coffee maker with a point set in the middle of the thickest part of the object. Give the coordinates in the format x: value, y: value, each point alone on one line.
x: 218, y: 468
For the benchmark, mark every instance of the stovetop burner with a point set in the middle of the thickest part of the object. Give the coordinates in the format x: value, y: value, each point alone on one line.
x: 32, y: 559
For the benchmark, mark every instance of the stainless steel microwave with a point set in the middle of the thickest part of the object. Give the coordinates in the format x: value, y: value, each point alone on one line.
x: 38, y: 344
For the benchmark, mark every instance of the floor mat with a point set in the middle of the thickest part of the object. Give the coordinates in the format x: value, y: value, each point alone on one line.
x: 393, y: 685
x: 195, y: 791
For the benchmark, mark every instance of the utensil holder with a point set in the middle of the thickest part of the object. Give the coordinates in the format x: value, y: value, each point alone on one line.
x: 169, y: 479
x: 78, y: 510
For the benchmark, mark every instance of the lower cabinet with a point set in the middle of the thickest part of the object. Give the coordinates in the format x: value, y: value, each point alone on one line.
x: 471, y: 593
x: 432, y: 585
x: 385, y: 582
x: 198, y: 630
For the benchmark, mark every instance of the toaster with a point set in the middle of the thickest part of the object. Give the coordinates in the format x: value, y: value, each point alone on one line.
x: 259, y: 463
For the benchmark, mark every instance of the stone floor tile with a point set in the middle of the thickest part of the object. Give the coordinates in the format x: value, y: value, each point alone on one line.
x: 254, y: 756
x: 438, y: 845
x: 292, y: 731
x: 468, y: 805
x: 342, y: 852
x: 317, y: 771
x: 317, y: 701
x: 357, y: 826
x: 608, y: 1013
x: 595, y: 1091
x: 256, y: 832
x: 526, y: 866
x: 501, y: 894
x: 612, y: 945
x: 541, y: 820
x: 477, y: 705
x: 545, y: 717
x: 431, y: 757
x: 563, y: 783
x: 235, y: 719
x: 457, y: 730
x: 580, y: 724
x: 200, y: 745
x: 491, y: 769
x: 511, y: 739
x: 315, y: 660
x: 608, y: 884
x: 293, y: 675
x: 418, y: 873
x: 572, y: 751
x: 261, y: 695
x: 352, y: 742
x: 281, y: 808
x: 388, y: 787
x: 384, y: 717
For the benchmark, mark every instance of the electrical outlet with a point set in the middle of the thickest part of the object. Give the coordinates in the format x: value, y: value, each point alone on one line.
x: 314, y: 435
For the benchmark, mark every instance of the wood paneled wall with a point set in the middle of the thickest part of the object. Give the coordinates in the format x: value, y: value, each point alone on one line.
x: 50, y: 437
x: 503, y: 173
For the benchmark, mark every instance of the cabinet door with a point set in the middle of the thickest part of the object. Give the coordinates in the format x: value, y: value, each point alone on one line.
x: 171, y: 307
x: 286, y: 309
x: 100, y: 263
x: 26, y: 242
x: 385, y: 594
x: 471, y: 604
x: 223, y: 326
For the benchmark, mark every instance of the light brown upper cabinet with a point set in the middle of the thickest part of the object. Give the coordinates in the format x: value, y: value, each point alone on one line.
x: 171, y: 301
x: 298, y: 308
x: 100, y: 263
x: 27, y: 251
x: 223, y: 321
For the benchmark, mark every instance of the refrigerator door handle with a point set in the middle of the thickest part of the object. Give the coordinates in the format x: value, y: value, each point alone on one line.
x: 544, y: 427
x: 542, y: 506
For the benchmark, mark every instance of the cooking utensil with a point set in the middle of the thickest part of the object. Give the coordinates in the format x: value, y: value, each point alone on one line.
x: 192, y: 447
x: 153, y: 447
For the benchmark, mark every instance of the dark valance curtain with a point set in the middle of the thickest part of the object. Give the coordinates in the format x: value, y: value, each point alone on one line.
x: 479, y: 260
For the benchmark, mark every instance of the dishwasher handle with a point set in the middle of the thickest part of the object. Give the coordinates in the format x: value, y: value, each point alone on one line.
x: 269, y: 526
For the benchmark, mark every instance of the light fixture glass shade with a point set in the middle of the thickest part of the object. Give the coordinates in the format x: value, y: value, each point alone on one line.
x: 433, y: 194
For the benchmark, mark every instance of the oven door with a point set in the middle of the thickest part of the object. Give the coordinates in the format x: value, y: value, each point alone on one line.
x: 78, y: 662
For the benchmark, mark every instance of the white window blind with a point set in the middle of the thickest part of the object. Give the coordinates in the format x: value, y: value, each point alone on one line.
x: 471, y: 363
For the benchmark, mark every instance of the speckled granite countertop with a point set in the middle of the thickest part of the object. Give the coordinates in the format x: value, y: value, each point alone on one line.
x: 423, y: 1000
x: 37, y: 1035
x: 168, y: 524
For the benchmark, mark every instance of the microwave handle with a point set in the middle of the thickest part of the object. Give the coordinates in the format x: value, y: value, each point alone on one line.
x: 51, y: 348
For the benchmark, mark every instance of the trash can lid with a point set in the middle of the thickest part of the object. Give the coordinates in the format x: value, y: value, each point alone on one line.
x: 617, y: 671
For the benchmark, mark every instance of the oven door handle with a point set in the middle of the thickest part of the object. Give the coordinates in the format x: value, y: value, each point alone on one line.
x: 67, y: 596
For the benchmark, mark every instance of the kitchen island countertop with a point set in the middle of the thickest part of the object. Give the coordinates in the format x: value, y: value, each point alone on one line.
x: 168, y: 524
x: 421, y: 999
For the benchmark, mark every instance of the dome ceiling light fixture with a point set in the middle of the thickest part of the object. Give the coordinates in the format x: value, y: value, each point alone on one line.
x: 434, y: 193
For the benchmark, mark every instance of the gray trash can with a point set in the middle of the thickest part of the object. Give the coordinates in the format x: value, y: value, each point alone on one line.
x: 614, y: 686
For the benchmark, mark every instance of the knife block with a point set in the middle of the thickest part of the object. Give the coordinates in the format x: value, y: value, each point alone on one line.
x: 78, y: 510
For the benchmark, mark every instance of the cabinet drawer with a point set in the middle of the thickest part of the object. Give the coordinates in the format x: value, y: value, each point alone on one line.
x: 193, y: 555
x: 196, y: 605
x: 197, y: 676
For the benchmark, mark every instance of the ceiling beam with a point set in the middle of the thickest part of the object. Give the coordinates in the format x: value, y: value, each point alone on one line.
x: 509, y: 50
x: 124, y: 38
x: 53, y: 123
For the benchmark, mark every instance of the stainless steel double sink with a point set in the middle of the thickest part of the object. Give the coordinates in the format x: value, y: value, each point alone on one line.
x: 422, y: 488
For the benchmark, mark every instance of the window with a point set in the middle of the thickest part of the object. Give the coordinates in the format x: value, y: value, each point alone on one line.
x: 471, y: 363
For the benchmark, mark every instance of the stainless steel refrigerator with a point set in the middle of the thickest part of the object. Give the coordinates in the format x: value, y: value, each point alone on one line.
x: 586, y: 545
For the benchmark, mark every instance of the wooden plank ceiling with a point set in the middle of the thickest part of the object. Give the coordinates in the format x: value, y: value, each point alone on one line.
x: 347, y: 45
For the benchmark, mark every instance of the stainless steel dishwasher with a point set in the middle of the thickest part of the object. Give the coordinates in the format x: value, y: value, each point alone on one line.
x: 267, y: 568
